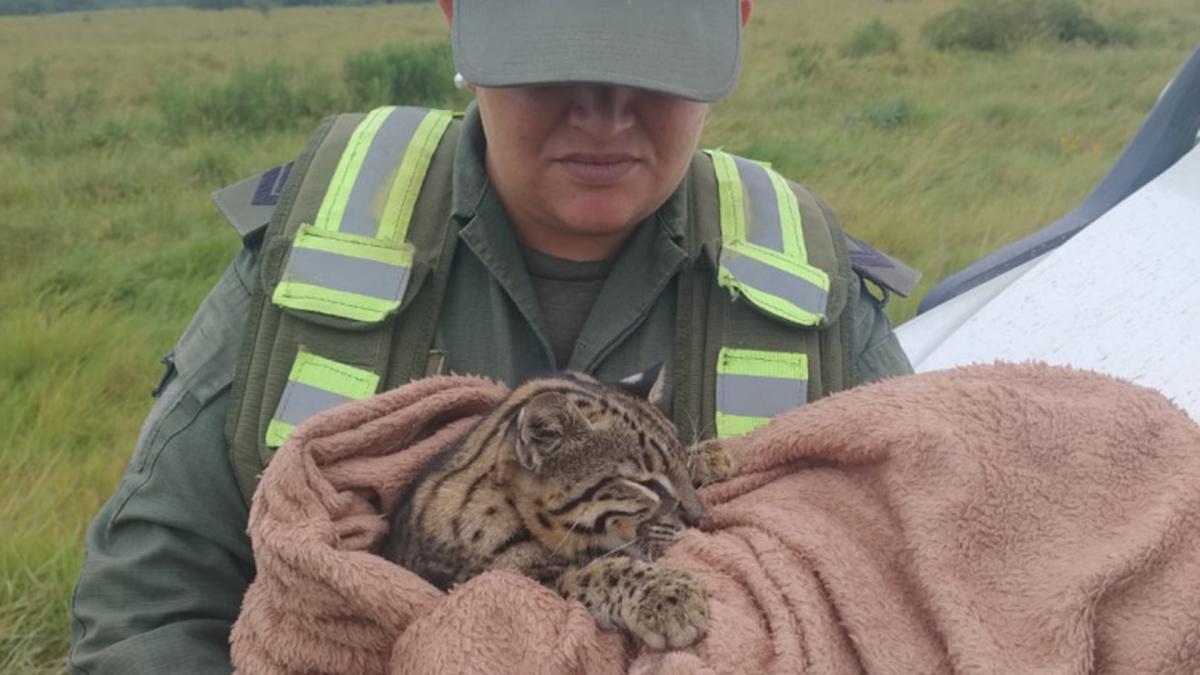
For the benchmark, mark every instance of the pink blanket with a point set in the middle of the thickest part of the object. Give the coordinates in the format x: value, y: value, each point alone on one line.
x: 999, y: 519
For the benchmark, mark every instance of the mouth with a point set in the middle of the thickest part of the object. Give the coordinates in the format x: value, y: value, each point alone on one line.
x: 655, y: 537
x: 598, y: 168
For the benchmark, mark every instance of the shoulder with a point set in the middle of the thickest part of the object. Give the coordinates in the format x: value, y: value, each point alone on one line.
x: 867, y: 262
x: 749, y: 194
x: 205, y: 356
x: 778, y: 244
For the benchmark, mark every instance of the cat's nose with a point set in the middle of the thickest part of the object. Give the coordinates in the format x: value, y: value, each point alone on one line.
x: 691, y: 511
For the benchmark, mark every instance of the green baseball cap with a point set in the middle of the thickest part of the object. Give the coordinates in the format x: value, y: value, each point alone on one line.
x: 688, y: 48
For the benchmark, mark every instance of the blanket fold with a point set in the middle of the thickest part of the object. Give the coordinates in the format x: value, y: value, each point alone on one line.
x: 990, y: 519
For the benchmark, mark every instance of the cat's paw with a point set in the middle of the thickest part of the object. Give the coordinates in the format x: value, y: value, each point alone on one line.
x: 710, y: 462
x: 669, y: 611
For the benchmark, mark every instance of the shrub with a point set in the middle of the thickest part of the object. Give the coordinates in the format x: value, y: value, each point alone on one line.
x: 420, y: 75
x: 1125, y: 28
x: 213, y: 165
x: 108, y: 132
x: 871, y: 38
x: 1066, y: 21
x: 254, y: 98
x: 981, y: 25
x: 806, y: 59
x: 999, y: 25
x: 887, y: 114
x: 42, y: 122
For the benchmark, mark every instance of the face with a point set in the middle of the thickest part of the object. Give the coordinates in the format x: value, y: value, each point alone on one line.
x: 577, y: 167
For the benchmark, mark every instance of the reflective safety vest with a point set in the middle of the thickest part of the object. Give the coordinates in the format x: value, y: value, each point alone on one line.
x: 357, y: 253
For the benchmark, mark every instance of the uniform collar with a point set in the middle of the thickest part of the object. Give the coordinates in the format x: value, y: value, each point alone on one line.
x: 470, y: 179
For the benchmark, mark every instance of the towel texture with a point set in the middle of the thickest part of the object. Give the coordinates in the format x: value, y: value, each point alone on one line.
x: 990, y: 519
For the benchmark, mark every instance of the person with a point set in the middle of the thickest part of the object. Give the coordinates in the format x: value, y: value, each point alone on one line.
x: 575, y: 207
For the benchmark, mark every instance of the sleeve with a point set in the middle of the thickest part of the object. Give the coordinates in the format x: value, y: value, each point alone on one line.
x: 167, y: 557
x: 877, y: 353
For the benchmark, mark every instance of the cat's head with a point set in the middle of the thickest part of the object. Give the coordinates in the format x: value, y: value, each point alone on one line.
x: 596, y: 468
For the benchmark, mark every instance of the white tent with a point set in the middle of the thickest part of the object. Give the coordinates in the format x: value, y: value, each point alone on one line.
x: 1114, y: 286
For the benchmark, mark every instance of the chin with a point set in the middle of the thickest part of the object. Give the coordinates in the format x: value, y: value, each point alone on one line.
x: 600, y: 219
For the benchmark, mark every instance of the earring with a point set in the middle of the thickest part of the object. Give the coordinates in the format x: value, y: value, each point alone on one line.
x: 460, y: 82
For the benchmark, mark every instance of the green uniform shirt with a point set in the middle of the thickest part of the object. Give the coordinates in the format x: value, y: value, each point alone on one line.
x: 168, y: 559
x: 566, y: 292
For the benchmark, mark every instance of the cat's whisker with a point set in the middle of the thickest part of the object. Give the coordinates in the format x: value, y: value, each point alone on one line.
x: 617, y: 549
x: 566, y: 535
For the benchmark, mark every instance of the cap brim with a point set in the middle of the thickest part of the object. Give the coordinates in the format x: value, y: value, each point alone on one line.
x: 689, y: 48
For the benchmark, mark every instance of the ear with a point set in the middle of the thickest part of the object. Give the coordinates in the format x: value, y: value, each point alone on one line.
x: 648, y: 384
x: 541, y: 426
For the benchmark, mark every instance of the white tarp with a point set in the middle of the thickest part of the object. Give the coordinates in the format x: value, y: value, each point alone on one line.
x: 1121, y: 297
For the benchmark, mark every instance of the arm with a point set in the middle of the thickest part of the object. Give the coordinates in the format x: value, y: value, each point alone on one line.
x: 168, y: 559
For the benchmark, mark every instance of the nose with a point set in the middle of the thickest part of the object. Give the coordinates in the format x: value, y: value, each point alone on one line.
x: 691, y: 509
x: 602, y: 111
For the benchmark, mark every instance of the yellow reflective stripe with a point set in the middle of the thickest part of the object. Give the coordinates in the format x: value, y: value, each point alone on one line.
x: 753, y: 385
x: 402, y: 198
x: 360, y: 279
x: 332, y: 376
x: 316, y: 384
x: 760, y: 363
x: 729, y: 426
x: 333, y: 207
x: 353, y: 306
x: 775, y: 305
x: 797, y: 304
x: 354, y: 246
x: 350, y: 262
x: 794, y: 256
x: 277, y: 433
x: 809, y: 314
x: 789, y: 221
x: 812, y: 275
x: 729, y: 188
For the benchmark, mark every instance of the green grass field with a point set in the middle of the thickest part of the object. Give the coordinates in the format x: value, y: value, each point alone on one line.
x: 109, y: 241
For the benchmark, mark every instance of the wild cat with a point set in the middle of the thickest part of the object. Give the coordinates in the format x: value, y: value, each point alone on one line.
x: 577, y: 484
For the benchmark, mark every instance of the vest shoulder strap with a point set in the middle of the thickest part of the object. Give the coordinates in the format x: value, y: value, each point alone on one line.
x: 351, y: 259
x: 777, y: 247
x: 769, y: 305
x: 360, y: 225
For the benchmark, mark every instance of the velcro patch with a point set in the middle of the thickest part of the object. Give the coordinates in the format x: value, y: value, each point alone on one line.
x: 249, y: 204
x: 270, y: 185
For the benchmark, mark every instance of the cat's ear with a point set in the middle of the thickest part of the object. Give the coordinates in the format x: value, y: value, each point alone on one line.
x: 648, y: 384
x: 541, y: 426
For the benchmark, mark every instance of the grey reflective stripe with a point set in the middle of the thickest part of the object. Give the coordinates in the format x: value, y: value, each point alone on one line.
x: 344, y: 273
x: 374, y: 179
x: 762, y: 220
x: 754, y: 396
x: 767, y: 278
x: 301, y: 401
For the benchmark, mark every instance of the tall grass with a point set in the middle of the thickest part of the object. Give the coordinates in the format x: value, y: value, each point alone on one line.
x: 253, y: 98
x: 109, y: 241
x: 420, y: 74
